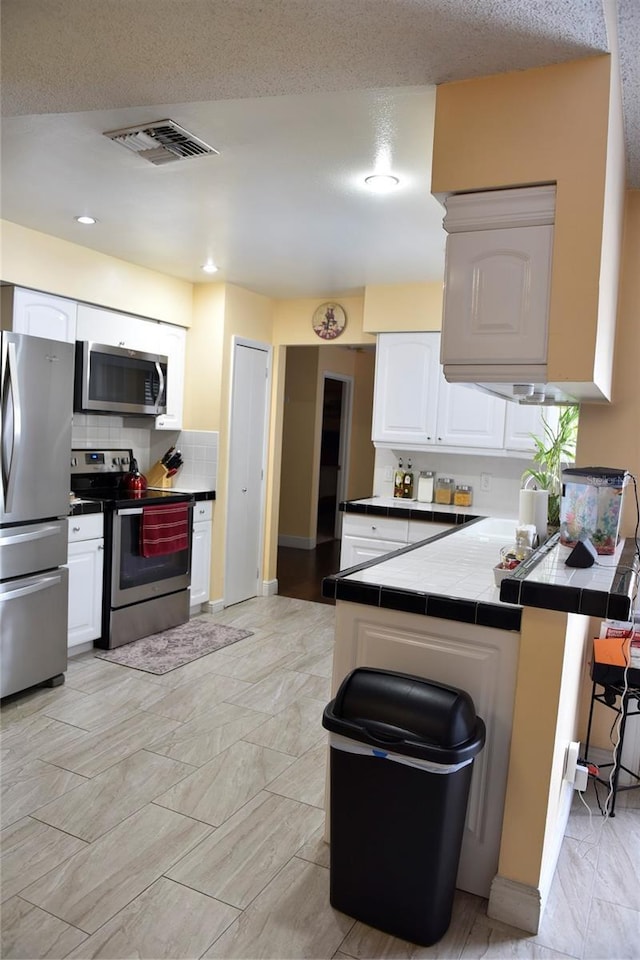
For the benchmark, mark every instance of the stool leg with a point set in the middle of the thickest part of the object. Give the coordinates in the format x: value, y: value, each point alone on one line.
x: 593, y: 700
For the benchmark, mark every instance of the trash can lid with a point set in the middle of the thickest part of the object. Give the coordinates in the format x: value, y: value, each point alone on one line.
x: 409, y: 714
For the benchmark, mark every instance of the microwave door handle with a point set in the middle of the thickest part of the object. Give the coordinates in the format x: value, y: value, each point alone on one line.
x: 8, y: 472
x: 160, y: 385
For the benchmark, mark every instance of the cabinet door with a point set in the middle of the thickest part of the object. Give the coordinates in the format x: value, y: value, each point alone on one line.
x: 406, y: 388
x: 522, y: 420
x: 469, y: 417
x: 117, y: 329
x: 497, y: 296
x: 85, y: 562
x: 41, y: 315
x: 200, y: 563
x: 356, y: 550
x: 172, y: 342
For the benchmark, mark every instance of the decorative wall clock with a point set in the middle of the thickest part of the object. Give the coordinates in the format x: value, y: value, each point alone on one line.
x: 329, y: 320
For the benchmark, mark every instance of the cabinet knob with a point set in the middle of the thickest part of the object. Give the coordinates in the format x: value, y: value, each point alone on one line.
x: 121, y: 343
x: 161, y: 423
x: 440, y: 439
x: 373, y: 527
x: 76, y: 529
x: 101, y: 546
x: 244, y: 489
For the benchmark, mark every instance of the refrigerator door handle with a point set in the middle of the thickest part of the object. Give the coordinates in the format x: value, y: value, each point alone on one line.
x: 49, y: 531
x: 43, y: 583
x: 8, y: 473
x: 160, y: 385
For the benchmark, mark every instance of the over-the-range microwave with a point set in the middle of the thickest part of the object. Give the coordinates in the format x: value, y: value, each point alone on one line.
x: 118, y: 380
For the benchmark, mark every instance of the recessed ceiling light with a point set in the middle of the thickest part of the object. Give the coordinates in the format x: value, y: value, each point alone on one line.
x: 209, y: 267
x: 86, y: 220
x: 381, y: 182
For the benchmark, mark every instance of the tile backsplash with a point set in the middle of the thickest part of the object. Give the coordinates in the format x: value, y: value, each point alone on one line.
x: 503, y: 475
x: 199, y: 448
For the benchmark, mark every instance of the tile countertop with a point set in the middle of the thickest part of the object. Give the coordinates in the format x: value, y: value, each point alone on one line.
x: 414, y: 510
x: 196, y: 494
x: 451, y: 576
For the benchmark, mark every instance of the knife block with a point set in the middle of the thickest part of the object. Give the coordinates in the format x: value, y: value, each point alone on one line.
x: 157, y: 476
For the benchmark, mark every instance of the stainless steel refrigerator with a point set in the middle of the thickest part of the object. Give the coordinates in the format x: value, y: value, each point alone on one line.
x: 36, y: 397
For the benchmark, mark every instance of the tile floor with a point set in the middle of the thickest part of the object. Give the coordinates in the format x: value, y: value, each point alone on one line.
x: 181, y: 816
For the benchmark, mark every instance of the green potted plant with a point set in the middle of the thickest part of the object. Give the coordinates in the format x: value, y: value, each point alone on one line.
x: 555, y: 446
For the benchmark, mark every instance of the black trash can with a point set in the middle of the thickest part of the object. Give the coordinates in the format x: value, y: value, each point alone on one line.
x: 401, y: 756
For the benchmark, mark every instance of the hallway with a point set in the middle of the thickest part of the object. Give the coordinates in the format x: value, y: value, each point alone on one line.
x: 300, y: 572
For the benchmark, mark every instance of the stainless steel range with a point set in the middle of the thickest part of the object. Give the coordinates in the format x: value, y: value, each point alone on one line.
x: 146, y: 583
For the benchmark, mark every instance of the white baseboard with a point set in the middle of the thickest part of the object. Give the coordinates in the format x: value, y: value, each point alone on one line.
x: 269, y: 588
x: 213, y: 606
x: 79, y: 648
x: 299, y: 543
x: 515, y: 903
x: 520, y: 904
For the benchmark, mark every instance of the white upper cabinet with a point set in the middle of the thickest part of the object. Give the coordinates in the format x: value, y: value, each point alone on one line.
x: 172, y: 342
x: 406, y: 388
x: 469, y: 418
x: 497, y: 283
x: 414, y: 406
x: 39, y: 314
x: 117, y: 329
x: 522, y: 420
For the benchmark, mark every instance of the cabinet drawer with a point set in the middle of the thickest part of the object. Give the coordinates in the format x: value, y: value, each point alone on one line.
x: 202, y: 510
x: 376, y: 528
x: 87, y: 527
x: 423, y: 529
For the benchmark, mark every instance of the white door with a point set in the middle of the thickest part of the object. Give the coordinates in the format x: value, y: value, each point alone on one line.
x: 247, y: 455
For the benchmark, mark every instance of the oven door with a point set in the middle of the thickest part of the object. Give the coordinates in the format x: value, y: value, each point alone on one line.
x: 135, y: 578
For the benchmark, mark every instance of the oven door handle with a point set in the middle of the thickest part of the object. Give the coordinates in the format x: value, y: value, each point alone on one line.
x: 129, y: 512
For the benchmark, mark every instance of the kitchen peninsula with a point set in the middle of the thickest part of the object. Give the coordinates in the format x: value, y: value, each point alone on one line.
x: 521, y: 650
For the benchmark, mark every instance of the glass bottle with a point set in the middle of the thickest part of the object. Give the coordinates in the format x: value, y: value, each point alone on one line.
x: 407, y: 483
x: 398, y: 481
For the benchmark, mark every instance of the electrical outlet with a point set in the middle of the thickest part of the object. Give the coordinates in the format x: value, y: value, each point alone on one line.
x: 485, y: 482
x: 388, y: 474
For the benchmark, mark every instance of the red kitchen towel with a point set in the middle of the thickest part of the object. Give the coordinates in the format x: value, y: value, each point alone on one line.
x: 164, y: 529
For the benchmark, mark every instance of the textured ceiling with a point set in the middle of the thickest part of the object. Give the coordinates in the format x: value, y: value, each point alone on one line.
x: 301, y: 98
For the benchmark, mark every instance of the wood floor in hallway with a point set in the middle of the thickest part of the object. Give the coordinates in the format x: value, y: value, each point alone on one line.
x: 300, y: 572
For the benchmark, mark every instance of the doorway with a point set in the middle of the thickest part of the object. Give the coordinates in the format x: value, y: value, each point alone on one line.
x: 334, y: 451
x: 250, y: 391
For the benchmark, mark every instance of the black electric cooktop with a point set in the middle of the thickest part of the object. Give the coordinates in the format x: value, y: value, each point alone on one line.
x: 100, y: 475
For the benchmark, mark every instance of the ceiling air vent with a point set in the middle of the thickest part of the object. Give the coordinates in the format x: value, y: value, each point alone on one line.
x: 163, y: 141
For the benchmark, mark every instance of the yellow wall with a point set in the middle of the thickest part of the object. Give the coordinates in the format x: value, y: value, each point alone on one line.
x: 32, y: 259
x: 546, y: 718
x: 403, y: 306
x: 609, y: 434
x: 292, y: 322
x: 540, y: 126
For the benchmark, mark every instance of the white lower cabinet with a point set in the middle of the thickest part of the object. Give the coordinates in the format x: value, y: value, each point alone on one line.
x: 85, y: 564
x: 201, y: 553
x: 366, y: 537
x: 481, y: 660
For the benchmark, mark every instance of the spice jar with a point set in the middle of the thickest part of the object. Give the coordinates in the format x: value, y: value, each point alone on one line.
x: 425, y: 486
x: 444, y: 490
x: 463, y: 497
